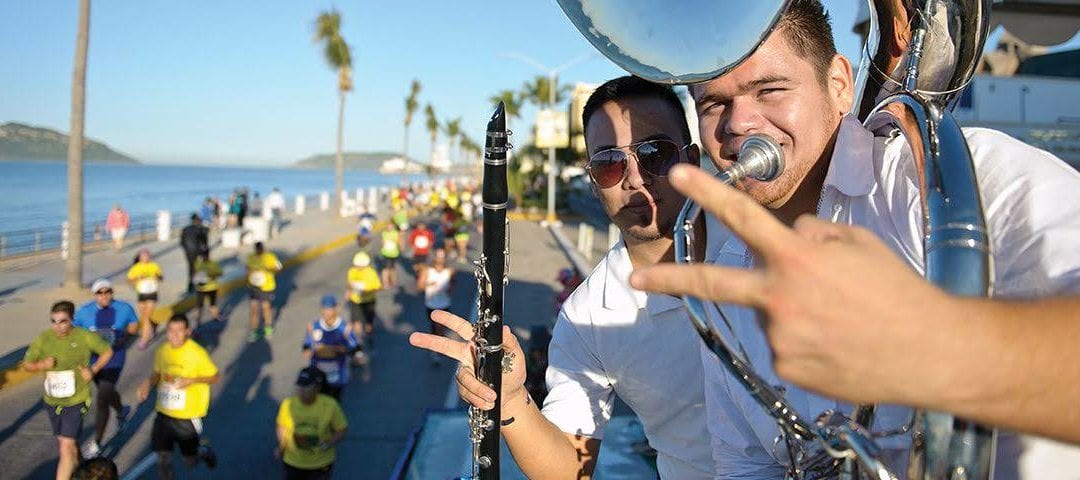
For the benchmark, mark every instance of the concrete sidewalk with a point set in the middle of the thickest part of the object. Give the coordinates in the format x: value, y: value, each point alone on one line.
x: 26, y: 292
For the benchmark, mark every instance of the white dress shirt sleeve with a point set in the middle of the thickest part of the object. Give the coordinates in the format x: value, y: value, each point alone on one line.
x: 580, y: 394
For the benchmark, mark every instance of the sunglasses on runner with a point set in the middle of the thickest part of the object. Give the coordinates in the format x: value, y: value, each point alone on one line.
x: 608, y: 167
x: 104, y: 291
x: 58, y: 322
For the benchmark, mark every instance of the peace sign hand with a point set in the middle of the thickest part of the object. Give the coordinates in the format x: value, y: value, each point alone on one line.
x: 843, y: 315
x: 471, y: 389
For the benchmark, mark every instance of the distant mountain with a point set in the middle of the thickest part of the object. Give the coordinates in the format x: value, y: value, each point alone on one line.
x: 353, y: 160
x: 23, y: 142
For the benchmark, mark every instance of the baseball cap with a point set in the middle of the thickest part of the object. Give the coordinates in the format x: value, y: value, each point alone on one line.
x: 328, y: 301
x: 100, y: 284
x: 361, y: 259
x: 310, y: 376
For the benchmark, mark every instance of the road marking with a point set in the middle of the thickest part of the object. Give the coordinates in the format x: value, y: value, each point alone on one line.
x: 141, y: 467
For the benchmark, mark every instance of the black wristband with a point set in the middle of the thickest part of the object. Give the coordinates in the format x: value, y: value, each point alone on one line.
x: 506, y: 422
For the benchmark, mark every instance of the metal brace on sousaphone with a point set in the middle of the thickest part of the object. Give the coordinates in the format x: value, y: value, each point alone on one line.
x: 909, y: 93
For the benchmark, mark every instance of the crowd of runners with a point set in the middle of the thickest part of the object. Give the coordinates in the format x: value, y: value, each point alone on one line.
x: 82, y: 354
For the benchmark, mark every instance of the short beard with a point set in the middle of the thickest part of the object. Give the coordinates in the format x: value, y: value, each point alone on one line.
x: 644, y: 234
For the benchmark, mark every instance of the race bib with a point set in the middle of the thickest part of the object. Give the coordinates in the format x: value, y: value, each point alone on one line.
x: 146, y: 286
x: 257, y: 278
x: 200, y: 278
x: 60, y: 384
x: 358, y: 286
x: 170, y: 397
x: 332, y: 369
x: 422, y: 242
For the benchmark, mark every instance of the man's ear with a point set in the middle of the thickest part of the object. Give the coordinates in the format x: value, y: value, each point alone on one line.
x: 693, y: 154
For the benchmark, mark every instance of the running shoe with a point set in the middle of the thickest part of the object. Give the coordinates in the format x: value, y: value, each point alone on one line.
x: 268, y: 332
x: 253, y: 336
x: 208, y: 456
x: 91, y: 449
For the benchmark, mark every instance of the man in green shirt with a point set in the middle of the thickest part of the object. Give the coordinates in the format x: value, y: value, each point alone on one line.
x: 63, y: 353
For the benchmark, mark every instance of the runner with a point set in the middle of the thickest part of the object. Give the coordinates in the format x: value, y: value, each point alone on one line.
x: 449, y: 222
x: 117, y: 224
x: 183, y: 373
x: 390, y: 251
x: 362, y: 285
x: 328, y: 343
x: 115, y: 321
x: 261, y: 267
x: 421, y: 239
x: 436, y: 282
x: 400, y: 218
x: 63, y: 353
x: 309, y: 425
x: 461, y: 237
x: 145, y: 277
x: 207, y: 273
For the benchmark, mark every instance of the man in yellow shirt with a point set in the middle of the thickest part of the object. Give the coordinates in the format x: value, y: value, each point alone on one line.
x: 309, y: 425
x: 261, y: 268
x: 361, y: 284
x: 183, y: 373
x: 207, y: 273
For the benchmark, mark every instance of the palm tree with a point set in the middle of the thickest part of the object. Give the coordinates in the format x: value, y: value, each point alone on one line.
x: 410, y: 108
x: 432, y: 125
x: 73, y: 264
x: 336, y: 52
x: 452, y: 129
x: 537, y: 91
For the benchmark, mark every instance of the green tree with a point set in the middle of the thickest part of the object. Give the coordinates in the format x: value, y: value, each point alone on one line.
x: 337, y: 55
x: 411, y: 104
x: 73, y: 264
x: 538, y: 92
x: 432, y: 124
x: 452, y: 128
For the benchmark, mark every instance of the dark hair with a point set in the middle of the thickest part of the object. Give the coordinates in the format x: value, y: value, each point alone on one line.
x: 195, y: 217
x: 179, y: 318
x: 805, y: 26
x: 64, y: 306
x: 259, y: 247
x: 629, y: 86
x: 99, y: 468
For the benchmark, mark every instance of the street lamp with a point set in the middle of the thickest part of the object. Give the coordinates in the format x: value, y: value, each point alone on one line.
x: 553, y: 79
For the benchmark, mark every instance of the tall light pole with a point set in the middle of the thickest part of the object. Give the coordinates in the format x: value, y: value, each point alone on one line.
x: 553, y: 78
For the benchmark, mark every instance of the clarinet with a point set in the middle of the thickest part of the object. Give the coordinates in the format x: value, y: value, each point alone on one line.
x: 491, y: 279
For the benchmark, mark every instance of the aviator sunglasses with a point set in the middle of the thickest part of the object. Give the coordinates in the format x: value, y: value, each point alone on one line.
x: 608, y: 168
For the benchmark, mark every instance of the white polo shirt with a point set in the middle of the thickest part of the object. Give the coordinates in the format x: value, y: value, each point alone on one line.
x: 611, y: 339
x: 1031, y: 202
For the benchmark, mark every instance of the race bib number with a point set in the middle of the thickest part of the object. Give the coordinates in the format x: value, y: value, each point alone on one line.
x: 422, y: 242
x: 146, y: 286
x: 60, y: 384
x: 171, y: 398
x: 257, y: 278
x: 358, y: 286
x: 200, y: 278
x: 332, y: 370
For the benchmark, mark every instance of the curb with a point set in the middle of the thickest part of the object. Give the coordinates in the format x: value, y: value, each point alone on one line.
x: 11, y: 375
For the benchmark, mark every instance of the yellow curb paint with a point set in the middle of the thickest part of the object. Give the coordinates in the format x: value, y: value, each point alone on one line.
x: 15, y: 375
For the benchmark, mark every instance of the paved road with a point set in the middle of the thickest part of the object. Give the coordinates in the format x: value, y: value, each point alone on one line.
x: 384, y: 403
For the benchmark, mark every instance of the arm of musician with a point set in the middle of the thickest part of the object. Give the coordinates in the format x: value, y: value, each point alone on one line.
x: 1015, y: 366
x: 540, y: 449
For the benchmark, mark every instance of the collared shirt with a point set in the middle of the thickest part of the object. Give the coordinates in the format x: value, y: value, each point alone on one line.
x: 1033, y: 238
x: 611, y: 339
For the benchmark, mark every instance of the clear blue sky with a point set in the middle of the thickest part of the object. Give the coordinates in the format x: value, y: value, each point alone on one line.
x: 242, y: 83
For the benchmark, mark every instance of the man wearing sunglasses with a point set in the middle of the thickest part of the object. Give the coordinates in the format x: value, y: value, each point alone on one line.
x: 611, y: 339
x: 63, y: 353
x: 853, y: 326
x: 116, y: 322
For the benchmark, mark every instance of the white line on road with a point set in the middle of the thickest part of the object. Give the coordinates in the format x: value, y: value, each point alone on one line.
x: 140, y: 467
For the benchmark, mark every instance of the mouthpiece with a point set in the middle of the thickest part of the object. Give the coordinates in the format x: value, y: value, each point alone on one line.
x: 760, y: 158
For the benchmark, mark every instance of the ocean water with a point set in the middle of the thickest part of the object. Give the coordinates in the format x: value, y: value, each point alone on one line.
x: 34, y: 194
